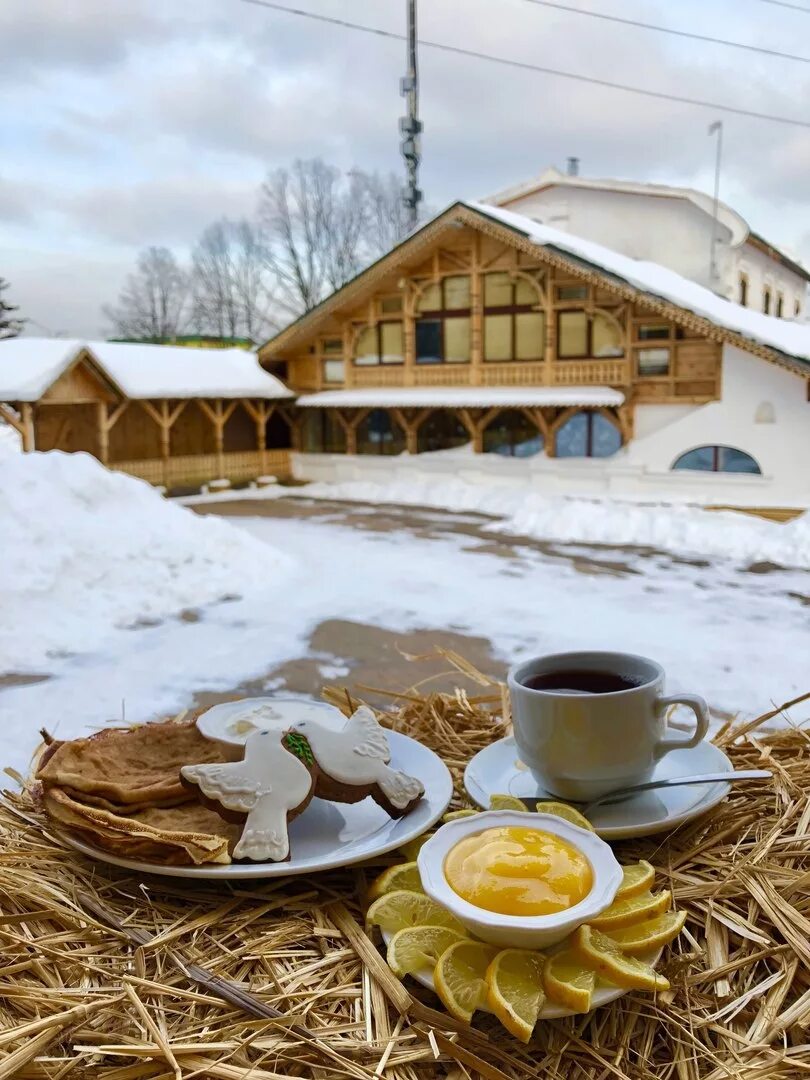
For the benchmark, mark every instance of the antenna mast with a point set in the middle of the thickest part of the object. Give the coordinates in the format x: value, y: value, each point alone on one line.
x: 410, y: 126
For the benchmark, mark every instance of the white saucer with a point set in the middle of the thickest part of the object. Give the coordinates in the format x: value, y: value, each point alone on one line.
x: 498, y: 770
x: 327, y: 835
x: 603, y: 993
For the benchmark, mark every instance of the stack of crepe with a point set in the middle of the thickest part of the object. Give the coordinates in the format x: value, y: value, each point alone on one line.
x: 120, y: 790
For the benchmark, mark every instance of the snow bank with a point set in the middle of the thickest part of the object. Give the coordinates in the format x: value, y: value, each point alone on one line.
x: 682, y: 530
x: 9, y: 440
x: 86, y: 551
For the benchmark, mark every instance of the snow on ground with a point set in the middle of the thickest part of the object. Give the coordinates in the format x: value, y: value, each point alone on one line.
x: 85, y: 550
x: 682, y: 530
x: 9, y: 440
x: 740, y: 639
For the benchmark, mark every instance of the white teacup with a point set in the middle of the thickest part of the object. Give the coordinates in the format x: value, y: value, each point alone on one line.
x: 581, y: 744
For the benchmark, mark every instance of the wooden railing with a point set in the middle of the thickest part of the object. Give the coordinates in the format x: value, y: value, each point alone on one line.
x: 529, y: 374
x: 378, y: 376
x: 443, y: 375
x: 198, y: 468
x: 613, y: 372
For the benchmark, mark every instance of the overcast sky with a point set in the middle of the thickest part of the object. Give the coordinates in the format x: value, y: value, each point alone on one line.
x: 135, y: 122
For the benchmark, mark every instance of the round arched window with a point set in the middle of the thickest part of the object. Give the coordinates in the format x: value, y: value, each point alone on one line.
x: 588, y: 434
x: 717, y: 459
x: 512, y: 434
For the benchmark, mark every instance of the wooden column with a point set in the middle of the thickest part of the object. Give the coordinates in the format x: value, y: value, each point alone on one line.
x: 350, y: 425
x: 260, y: 413
x: 108, y: 420
x: 348, y: 354
x: 409, y: 338
x: 164, y: 416
x: 218, y: 414
x: 550, y: 350
x: 103, y: 433
x: 23, y: 423
x: 410, y: 421
x: 294, y: 419
x: 476, y: 315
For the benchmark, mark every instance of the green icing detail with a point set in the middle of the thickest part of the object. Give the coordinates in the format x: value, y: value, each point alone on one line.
x: 299, y: 745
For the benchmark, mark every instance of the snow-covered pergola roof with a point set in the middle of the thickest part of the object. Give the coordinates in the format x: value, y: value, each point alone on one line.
x: 29, y: 366
x: 463, y: 397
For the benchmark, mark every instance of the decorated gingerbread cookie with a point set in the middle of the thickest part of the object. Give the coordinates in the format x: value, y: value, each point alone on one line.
x: 272, y: 784
x: 353, y: 763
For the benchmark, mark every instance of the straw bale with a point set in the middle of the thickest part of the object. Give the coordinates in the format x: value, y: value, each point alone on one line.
x: 108, y: 975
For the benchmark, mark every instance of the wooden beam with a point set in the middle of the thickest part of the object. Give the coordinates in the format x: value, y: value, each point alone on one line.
x: 103, y: 433
x: 29, y: 441
x: 410, y: 420
x: 476, y: 315
x: 11, y: 418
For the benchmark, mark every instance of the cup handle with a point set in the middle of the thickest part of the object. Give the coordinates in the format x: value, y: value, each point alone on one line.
x: 701, y: 711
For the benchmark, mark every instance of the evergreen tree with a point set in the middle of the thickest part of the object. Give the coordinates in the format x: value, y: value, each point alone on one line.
x: 9, y: 327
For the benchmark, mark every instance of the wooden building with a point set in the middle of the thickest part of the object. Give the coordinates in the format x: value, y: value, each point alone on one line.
x: 173, y: 416
x: 485, y: 327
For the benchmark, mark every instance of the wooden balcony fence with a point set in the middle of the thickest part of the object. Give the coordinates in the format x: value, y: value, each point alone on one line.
x: 197, y: 469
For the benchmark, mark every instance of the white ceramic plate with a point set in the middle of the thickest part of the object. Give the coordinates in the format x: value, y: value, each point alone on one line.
x: 328, y: 835
x: 497, y: 769
x: 602, y: 995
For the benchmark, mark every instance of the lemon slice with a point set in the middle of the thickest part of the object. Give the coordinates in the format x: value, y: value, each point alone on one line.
x: 638, y: 878
x: 507, y: 802
x: 395, y: 910
x: 567, y: 982
x: 652, y: 934
x: 515, y: 990
x: 634, y: 909
x: 402, y: 876
x: 453, y: 815
x: 411, y: 849
x: 601, y: 953
x: 460, y: 977
x: 415, y: 948
x: 563, y: 810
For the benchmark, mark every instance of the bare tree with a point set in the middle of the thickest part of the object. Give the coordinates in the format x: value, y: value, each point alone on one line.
x: 231, y: 294
x: 153, y: 302
x: 9, y: 325
x: 314, y: 221
x: 386, y: 216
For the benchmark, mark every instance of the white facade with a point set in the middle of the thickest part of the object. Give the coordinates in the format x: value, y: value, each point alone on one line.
x: 669, y: 226
x: 763, y: 411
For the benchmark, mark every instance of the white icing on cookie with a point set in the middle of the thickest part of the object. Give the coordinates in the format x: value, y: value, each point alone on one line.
x: 359, y: 754
x: 232, y: 722
x: 266, y: 785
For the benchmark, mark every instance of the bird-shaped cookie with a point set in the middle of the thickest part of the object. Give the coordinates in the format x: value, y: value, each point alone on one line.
x: 271, y: 784
x: 353, y: 763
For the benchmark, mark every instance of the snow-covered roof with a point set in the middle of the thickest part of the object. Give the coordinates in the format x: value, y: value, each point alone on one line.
x: 463, y: 397
x: 29, y: 366
x: 790, y: 338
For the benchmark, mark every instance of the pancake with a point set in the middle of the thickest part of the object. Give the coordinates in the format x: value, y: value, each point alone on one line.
x: 185, y: 835
x: 135, y: 768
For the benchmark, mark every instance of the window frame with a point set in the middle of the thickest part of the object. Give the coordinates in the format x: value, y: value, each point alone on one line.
x: 377, y: 328
x: 742, y: 290
x: 766, y: 299
x: 439, y: 315
x: 513, y: 310
x: 589, y: 316
x: 780, y: 305
x: 716, y: 449
x: 590, y: 415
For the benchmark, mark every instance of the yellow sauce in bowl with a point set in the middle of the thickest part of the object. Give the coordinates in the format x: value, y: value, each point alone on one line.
x: 514, y: 870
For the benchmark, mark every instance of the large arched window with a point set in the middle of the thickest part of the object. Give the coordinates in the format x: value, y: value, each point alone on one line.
x: 379, y: 433
x: 717, y: 459
x: 588, y: 434
x: 512, y: 434
x: 442, y: 430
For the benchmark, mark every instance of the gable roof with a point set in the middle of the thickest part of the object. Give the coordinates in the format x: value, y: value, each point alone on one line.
x: 29, y: 366
x: 683, y: 300
x: 739, y: 228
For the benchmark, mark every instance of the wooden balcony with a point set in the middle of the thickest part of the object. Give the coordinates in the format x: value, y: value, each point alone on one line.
x: 612, y: 372
x: 193, y: 469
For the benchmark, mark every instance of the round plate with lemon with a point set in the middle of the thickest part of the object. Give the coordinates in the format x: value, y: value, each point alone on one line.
x: 614, y: 952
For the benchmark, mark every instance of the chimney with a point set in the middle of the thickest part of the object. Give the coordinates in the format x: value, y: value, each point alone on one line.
x: 572, y: 168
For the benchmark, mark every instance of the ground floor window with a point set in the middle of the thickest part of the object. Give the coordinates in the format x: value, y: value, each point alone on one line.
x: 717, y: 459
x: 442, y: 430
x: 512, y: 434
x: 588, y: 434
x: 323, y: 433
x: 379, y: 433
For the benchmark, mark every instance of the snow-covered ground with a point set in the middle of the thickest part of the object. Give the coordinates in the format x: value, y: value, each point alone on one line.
x: 679, y: 529
x: 739, y: 638
x: 86, y: 552
x: 9, y: 440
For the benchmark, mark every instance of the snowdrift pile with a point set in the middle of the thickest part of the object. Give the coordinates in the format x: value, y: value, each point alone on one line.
x: 86, y: 551
x: 681, y: 530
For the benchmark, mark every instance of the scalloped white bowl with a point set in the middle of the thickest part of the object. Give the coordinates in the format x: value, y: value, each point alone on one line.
x: 519, y: 931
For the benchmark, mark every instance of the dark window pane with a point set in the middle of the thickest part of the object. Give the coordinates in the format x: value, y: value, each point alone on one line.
x: 572, y: 292
x: 512, y: 434
x: 428, y: 341
x: 605, y: 437
x: 731, y: 460
x: 653, y: 333
x: 700, y: 459
x: 572, y: 438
